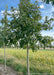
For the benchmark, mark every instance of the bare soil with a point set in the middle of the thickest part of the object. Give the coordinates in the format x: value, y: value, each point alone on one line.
x: 9, y: 71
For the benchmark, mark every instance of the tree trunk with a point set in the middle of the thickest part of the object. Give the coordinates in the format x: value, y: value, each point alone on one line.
x: 28, y: 60
x: 44, y: 46
x: 4, y: 57
x: 38, y: 47
x: 50, y: 45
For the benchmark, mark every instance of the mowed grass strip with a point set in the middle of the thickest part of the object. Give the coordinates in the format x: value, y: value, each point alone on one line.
x: 41, y: 61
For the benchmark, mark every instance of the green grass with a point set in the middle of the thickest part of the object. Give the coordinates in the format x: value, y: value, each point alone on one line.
x: 40, y: 61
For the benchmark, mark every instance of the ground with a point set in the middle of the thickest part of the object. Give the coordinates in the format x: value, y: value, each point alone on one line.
x: 8, y: 72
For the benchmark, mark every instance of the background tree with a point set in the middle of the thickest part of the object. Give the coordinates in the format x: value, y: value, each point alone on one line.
x: 4, y: 31
x: 48, y: 1
x: 44, y: 41
x: 50, y: 40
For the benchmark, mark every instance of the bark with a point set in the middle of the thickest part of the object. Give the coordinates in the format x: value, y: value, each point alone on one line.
x: 28, y: 73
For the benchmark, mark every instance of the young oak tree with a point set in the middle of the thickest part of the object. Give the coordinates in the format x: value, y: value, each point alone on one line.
x: 4, y: 31
x: 25, y: 25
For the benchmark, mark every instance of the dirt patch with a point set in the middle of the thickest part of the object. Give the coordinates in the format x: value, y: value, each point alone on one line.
x: 8, y: 72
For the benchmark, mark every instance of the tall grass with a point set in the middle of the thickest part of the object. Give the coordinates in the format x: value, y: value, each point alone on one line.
x: 40, y: 61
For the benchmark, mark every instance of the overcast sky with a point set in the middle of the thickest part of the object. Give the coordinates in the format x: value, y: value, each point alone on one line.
x: 46, y: 10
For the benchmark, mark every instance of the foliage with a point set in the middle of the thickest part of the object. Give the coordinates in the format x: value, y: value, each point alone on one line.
x: 46, y: 41
x: 48, y: 1
x: 25, y: 24
x: 4, y: 28
x: 47, y: 24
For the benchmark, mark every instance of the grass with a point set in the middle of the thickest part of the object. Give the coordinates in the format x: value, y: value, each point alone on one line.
x: 41, y: 61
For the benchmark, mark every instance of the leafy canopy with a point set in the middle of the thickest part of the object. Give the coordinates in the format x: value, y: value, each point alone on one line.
x: 25, y: 23
x: 4, y: 28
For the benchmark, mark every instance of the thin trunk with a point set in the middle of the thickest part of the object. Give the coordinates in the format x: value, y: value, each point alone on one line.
x: 38, y: 46
x: 44, y: 46
x: 4, y: 57
x: 28, y: 60
x: 50, y: 45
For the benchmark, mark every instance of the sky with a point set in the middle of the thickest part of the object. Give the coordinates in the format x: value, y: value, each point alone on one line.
x: 46, y: 10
